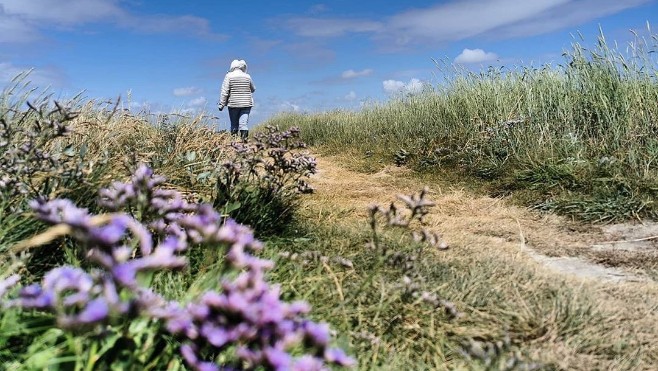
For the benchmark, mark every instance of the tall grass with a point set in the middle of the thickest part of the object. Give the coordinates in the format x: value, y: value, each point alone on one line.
x: 580, y: 137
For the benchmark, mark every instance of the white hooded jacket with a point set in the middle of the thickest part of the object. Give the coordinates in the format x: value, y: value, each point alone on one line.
x: 237, y: 87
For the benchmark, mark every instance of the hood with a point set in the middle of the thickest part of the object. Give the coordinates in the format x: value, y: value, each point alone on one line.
x: 238, y: 64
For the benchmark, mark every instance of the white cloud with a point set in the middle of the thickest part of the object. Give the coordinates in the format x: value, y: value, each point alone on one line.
x: 318, y: 27
x: 186, y: 91
x: 39, y: 77
x: 62, y: 12
x: 395, y: 86
x: 462, y: 19
x: 571, y: 14
x: 14, y: 29
x: 392, y: 86
x: 289, y: 106
x: 350, y: 96
x: 167, y: 24
x: 350, y: 74
x: 21, y: 21
x: 198, y: 102
x: 475, y: 56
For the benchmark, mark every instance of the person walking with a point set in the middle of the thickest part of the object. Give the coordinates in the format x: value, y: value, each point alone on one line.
x: 237, y: 94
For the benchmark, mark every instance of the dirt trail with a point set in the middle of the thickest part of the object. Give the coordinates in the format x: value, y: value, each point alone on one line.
x: 463, y: 220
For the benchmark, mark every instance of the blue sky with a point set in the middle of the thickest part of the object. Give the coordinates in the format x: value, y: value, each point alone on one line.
x: 168, y: 55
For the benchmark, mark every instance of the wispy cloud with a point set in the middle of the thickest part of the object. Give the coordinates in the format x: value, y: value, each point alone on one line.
x: 185, y: 24
x: 186, y: 91
x: 16, y: 30
x: 327, y: 27
x: 310, y: 52
x: 41, y: 77
x: 569, y: 14
x: 350, y: 96
x: 318, y: 8
x: 21, y: 21
x: 463, y: 19
x: 288, y: 106
x: 68, y: 12
x: 198, y: 102
x: 469, y: 56
x: 351, y: 74
x: 458, y: 20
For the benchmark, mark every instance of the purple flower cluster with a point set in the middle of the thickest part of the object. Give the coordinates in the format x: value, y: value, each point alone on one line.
x: 143, y: 195
x: 78, y: 298
x: 271, y: 161
x: 23, y: 138
x: 416, y: 207
x: 293, y: 166
x: 259, y: 182
x: 247, y: 314
x: 109, y: 242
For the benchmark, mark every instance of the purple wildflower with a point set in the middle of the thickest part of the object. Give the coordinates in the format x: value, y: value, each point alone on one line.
x: 125, y: 274
x: 277, y: 359
x: 110, y: 234
x: 70, y: 286
x: 60, y: 211
x: 189, y: 354
x: 247, y: 313
x: 316, y: 333
x: 33, y: 296
x: 338, y: 357
x: 309, y: 363
x: 95, y: 311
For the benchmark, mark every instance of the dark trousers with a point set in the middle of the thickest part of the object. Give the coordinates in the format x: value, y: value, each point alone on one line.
x: 239, y: 117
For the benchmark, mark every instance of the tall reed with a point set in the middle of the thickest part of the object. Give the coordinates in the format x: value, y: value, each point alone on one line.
x: 588, y: 125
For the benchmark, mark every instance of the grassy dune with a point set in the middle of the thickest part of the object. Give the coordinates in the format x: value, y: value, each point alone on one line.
x: 580, y: 137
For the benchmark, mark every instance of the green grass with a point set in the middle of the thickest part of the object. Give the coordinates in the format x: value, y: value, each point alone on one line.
x: 570, y: 132
x: 538, y: 319
x: 579, y: 138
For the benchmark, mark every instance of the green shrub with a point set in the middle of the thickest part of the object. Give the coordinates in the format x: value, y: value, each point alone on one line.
x: 258, y: 185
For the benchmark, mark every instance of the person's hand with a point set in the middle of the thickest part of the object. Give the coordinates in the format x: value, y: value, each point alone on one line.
x: 221, y: 107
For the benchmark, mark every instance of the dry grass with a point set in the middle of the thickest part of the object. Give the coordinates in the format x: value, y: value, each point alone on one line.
x: 560, y: 320
x: 120, y: 140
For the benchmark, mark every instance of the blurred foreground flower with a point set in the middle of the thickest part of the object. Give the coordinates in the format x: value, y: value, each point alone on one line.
x: 247, y: 315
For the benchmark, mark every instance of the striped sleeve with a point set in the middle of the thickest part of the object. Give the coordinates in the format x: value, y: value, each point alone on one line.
x: 223, y: 95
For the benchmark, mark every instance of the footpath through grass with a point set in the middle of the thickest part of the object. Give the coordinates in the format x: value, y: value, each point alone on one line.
x: 512, y: 313
x: 579, y: 137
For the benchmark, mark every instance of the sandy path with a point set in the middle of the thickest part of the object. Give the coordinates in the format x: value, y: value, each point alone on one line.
x: 464, y: 220
x: 483, y: 229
